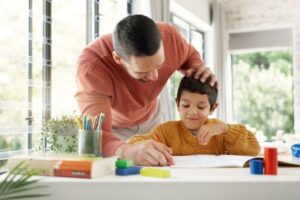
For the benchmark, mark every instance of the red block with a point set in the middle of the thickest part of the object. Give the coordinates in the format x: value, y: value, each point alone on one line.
x: 270, y: 160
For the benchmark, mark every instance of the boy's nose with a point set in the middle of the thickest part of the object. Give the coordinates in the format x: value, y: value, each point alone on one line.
x: 193, y: 110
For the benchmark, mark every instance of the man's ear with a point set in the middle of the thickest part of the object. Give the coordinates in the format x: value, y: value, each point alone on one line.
x: 213, y: 108
x: 116, y: 58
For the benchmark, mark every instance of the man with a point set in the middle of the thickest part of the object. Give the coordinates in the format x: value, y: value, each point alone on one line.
x: 122, y: 75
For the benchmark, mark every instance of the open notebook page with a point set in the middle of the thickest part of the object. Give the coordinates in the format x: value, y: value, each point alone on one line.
x: 205, y: 161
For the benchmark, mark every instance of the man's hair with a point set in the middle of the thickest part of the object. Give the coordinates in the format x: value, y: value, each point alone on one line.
x: 136, y: 35
x: 194, y: 85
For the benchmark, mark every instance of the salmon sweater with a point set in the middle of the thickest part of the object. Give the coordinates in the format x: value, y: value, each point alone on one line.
x: 104, y: 86
x: 237, y: 140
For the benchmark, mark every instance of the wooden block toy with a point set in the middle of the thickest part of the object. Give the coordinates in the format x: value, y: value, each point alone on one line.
x: 155, y: 172
x: 128, y: 171
x: 124, y: 163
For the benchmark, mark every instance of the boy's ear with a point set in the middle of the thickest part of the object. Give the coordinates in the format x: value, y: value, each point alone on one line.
x: 116, y: 58
x: 213, y: 108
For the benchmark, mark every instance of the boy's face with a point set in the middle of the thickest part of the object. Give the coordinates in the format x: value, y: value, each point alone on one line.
x: 194, y: 109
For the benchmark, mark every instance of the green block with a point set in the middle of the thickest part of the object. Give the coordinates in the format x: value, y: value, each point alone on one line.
x: 124, y: 163
x: 155, y: 172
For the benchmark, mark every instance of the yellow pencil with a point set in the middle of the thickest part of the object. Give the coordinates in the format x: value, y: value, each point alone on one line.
x: 79, y: 122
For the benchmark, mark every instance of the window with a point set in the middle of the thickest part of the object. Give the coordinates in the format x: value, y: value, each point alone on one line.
x: 196, y: 38
x: 262, y: 81
x: 13, y: 76
x: 39, y: 54
x: 263, y: 91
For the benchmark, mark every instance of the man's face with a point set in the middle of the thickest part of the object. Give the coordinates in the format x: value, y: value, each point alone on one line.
x: 145, y: 68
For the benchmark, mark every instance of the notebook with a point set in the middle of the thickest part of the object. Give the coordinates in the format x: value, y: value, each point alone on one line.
x: 212, y: 161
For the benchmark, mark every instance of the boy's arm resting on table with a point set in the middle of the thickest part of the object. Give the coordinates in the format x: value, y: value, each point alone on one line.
x: 240, y: 141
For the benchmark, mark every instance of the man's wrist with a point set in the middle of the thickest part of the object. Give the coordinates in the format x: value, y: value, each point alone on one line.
x: 123, y: 151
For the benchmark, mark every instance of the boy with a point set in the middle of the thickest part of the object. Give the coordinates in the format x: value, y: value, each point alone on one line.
x: 195, y: 133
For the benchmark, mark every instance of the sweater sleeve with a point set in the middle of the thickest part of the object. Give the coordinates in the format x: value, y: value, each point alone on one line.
x: 93, y: 96
x: 240, y: 141
x: 158, y: 132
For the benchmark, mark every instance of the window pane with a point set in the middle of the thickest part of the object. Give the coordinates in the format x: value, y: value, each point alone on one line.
x: 197, y: 40
x: 263, y: 91
x: 68, y: 40
x: 13, y: 74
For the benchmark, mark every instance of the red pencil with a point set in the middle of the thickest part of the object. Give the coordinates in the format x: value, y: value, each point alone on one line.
x: 156, y: 138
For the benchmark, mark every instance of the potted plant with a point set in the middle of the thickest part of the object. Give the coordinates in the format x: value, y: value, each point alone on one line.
x: 60, y: 135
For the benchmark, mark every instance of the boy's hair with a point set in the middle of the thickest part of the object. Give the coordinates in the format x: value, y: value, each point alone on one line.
x: 136, y: 35
x: 195, y: 85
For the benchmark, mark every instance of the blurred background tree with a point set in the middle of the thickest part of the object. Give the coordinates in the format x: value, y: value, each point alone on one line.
x: 263, y: 91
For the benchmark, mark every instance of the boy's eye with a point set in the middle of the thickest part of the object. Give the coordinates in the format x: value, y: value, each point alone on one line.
x: 201, y: 108
x: 185, y: 106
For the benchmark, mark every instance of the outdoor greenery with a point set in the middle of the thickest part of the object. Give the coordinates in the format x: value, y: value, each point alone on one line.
x: 263, y: 91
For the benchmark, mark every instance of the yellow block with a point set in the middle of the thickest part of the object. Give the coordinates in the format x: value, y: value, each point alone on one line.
x: 155, y: 172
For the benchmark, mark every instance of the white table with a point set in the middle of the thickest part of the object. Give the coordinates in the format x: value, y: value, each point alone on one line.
x: 205, y: 183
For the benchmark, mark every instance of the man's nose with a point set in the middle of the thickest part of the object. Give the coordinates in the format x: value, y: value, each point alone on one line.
x: 153, y: 75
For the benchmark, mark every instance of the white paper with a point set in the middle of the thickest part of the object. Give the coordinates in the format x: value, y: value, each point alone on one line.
x: 206, y: 161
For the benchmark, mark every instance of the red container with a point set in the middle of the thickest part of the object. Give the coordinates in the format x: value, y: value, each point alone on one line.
x: 270, y: 160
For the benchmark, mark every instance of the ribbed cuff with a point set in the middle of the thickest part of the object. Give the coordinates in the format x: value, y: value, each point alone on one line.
x: 234, y: 130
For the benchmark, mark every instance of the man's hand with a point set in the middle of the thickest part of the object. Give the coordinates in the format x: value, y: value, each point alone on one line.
x: 202, y: 73
x: 209, y: 130
x: 147, y: 153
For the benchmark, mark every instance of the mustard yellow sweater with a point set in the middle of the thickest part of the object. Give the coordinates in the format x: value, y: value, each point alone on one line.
x: 237, y: 140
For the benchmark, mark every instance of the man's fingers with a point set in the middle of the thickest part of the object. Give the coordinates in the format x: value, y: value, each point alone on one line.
x: 199, y: 73
x: 165, y: 152
x: 205, y: 75
x: 190, y: 71
x: 213, y: 81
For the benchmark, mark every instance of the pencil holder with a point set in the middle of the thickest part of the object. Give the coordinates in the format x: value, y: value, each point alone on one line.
x: 90, y: 142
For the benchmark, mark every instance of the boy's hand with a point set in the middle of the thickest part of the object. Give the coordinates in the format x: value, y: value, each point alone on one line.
x: 209, y: 130
x: 149, y: 153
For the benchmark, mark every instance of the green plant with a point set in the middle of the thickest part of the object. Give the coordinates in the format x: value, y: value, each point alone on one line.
x: 60, y: 135
x: 18, y: 183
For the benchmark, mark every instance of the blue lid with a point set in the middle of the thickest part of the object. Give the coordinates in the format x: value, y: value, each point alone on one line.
x: 296, y: 150
x: 256, y: 166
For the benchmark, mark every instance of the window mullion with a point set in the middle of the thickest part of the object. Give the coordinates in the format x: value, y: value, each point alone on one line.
x: 47, y: 61
x: 29, y: 94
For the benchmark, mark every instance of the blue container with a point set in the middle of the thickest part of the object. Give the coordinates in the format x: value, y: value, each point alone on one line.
x: 256, y: 166
x: 296, y: 150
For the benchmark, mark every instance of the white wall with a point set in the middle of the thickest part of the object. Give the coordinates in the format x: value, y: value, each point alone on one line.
x: 195, y: 12
x: 252, y: 15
